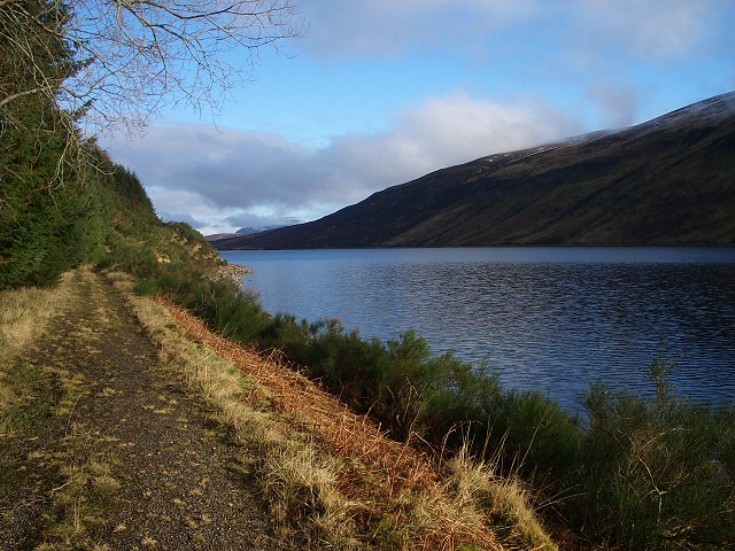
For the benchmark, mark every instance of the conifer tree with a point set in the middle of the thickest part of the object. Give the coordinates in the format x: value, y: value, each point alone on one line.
x: 71, y: 69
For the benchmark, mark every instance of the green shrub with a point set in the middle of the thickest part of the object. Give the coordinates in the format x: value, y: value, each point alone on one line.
x: 347, y: 365
x: 233, y: 314
x: 655, y: 474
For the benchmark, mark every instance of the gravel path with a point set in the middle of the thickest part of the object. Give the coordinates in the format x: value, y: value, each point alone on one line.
x: 125, y: 459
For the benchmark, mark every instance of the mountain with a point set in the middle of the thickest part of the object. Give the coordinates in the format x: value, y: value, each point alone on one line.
x: 257, y: 229
x: 242, y: 231
x: 668, y: 181
x: 219, y: 236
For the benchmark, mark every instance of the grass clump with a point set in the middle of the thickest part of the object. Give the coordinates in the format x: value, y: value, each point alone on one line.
x: 301, y: 487
x: 296, y: 481
x: 504, y: 499
x: 657, y: 473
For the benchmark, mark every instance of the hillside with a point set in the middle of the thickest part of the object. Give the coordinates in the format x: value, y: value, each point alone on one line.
x: 668, y: 181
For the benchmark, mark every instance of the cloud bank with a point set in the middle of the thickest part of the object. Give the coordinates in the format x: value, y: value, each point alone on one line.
x: 221, y: 179
x: 654, y: 29
x: 599, y: 60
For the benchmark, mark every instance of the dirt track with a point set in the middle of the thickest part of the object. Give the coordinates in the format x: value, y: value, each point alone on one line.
x: 122, y: 458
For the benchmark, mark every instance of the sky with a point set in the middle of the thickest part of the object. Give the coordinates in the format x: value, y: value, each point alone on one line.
x: 375, y: 93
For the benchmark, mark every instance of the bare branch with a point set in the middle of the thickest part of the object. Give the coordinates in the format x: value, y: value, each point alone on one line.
x: 18, y: 95
x: 134, y: 57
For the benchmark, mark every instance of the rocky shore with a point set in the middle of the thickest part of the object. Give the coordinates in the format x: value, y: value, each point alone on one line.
x: 232, y: 272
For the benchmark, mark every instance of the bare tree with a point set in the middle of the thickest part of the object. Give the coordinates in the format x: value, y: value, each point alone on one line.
x: 127, y: 59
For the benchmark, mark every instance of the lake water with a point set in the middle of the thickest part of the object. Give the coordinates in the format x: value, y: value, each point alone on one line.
x: 551, y: 319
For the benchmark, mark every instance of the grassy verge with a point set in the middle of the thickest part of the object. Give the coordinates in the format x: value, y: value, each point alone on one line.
x: 27, y: 393
x: 644, y: 474
x: 330, y: 476
x: 297, y: 485
x: 25, y: 312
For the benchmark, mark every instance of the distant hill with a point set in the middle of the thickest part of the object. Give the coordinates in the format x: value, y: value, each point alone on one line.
x: 257, y: 229
x: 242, y: 231
x: 212, y: 237
x: 668, y: 181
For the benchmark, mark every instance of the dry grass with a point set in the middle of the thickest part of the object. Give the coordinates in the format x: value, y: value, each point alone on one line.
x: 50, y: 393
x: 347, y: 473
x: 25, y: 312
x: 331, y: 477
x: 86, y: 465
x: 505, y: 500
x: 24, y: 317
x: 295, y: 478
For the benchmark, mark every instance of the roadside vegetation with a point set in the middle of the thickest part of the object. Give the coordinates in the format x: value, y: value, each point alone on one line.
x: 634, y: 473
x: 330, y: 477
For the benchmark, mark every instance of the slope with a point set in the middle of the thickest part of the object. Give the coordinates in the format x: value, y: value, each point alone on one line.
x: 664, y: 182
x: 121, y: 456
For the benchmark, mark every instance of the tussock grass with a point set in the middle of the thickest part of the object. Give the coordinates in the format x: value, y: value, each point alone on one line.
x: 346, y: 473
x: 24, y: 317
x: 297, y: 481
x: 301, y: 485
x: 504, y: 499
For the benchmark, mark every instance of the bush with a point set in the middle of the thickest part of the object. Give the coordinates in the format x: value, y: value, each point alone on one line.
x: 233, y: 314
x: 656, y: 474
x: 644, y: 474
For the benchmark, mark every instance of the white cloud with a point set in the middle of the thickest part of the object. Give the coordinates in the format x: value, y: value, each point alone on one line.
x: 222, y: 179
x: 387, y: 27
x: 656, y: 30
x: 459, y: 127
x: 617, y: 103
x: 651, y: 29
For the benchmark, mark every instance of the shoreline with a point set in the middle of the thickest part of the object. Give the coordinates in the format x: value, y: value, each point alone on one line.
x: 232, y: 272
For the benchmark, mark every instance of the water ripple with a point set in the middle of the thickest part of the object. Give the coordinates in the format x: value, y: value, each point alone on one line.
x: 549, y: 319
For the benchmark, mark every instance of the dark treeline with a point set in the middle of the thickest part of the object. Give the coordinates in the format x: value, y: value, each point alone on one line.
x: 55, y: 189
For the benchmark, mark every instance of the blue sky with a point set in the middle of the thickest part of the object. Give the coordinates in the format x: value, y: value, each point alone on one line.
x: 375, y: 93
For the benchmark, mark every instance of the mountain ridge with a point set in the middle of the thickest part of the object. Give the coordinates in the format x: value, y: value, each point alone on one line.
x: 668, y: 181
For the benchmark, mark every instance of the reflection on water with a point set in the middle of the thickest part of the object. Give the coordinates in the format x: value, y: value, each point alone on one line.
x: 550, y: 319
